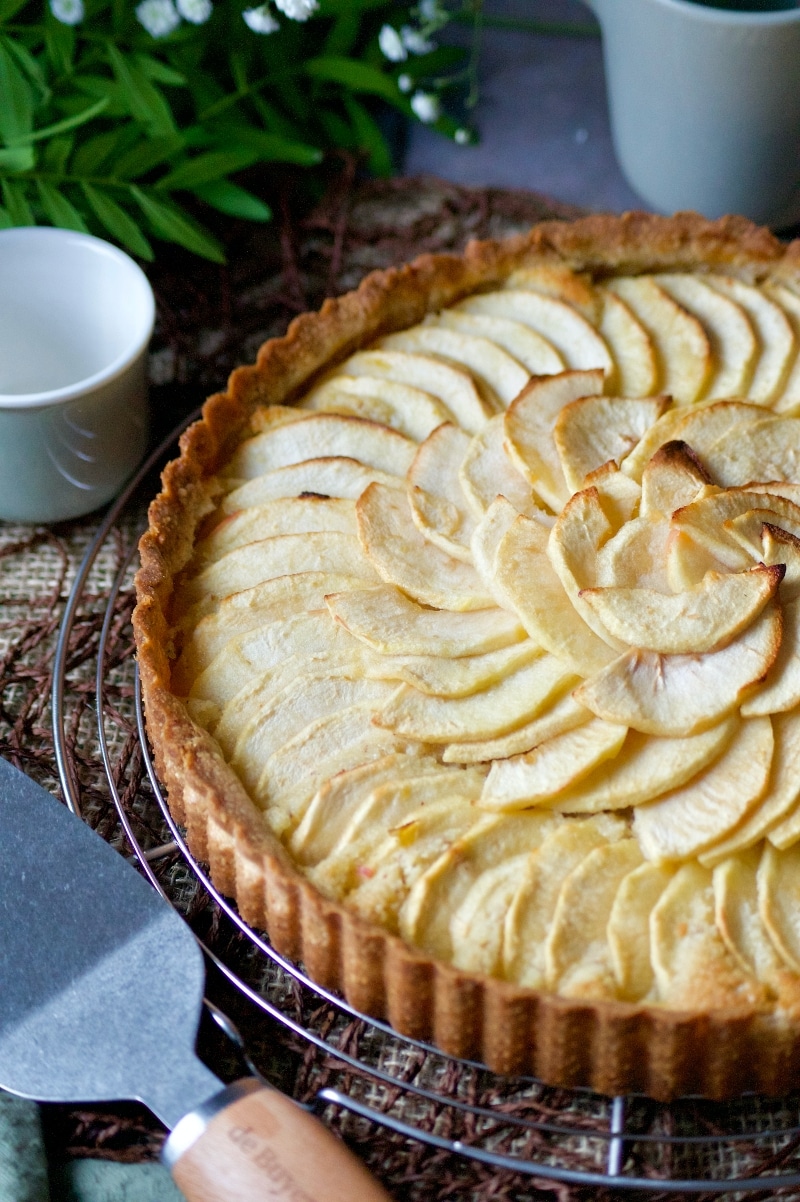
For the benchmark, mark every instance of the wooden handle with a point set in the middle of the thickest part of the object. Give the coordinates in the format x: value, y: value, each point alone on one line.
x: 263, y: 1147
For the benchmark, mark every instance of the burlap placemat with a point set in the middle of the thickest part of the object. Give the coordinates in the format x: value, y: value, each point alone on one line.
x: 210, y: 320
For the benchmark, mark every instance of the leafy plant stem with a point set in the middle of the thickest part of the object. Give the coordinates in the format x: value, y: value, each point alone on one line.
x: 97, y: 181
x: 118, y: 116
x: 233, y: 98
x: 563, y: 29
x: 478, y: 19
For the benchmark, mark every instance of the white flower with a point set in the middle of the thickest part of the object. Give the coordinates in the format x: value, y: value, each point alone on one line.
x: 462, y: 137
x: 391, y: 45
x: 260, y: 20
x: 68, y: 12
x: 159, y: 17
x: 415, y: 42
x: 426, y: 106
x: 297, y: 10
x: 429, y: 10
x: 196, y: 12
x: 405, y: 83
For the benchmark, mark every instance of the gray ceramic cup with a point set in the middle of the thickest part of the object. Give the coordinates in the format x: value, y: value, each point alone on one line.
x: 705, y: 104
x: 76, y: 315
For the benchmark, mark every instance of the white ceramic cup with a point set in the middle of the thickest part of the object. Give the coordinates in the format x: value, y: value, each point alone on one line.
x: 76, y: 315
x: 705, y: 104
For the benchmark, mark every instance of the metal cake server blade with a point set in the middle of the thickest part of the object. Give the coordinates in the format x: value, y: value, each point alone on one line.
x: 101, y: 986
x: 90, y: 956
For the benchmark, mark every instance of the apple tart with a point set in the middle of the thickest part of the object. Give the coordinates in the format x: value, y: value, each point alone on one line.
x: 469, y: 633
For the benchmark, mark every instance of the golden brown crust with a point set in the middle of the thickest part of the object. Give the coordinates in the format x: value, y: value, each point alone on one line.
x: 611, y: 1047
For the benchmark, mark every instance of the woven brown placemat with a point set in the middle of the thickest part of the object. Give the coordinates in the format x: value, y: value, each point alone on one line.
x: 210, y: 320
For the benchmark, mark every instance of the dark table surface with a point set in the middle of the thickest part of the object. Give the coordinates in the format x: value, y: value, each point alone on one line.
x: 542, y: 114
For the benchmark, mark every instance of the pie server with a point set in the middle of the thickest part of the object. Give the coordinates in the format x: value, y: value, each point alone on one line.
x: 101, y: 986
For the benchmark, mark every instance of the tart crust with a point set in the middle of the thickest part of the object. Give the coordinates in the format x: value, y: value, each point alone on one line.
x: 612, y: 1047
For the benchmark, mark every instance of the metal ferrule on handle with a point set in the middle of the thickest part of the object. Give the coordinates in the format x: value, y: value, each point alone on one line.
x: 193, y: 1125
x: 250, y: 1143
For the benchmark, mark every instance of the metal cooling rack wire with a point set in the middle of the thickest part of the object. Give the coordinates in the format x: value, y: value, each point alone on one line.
x: 117, y: 507
x: 617, y: 1138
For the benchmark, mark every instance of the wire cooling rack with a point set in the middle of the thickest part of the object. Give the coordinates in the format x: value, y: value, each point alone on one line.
x: 407, y: 1087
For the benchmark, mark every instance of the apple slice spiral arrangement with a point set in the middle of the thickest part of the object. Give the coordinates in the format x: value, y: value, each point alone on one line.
x: 499, y: 626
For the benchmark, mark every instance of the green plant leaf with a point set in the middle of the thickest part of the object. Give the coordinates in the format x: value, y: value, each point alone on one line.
x: 238, y: 68
x: 55, y: 154
x: 119, y: 224
x: 17, y: 158
x: 368, y: 137
x: 235, y: 201
x: 100, y: 87
x: 270, y: 147
x: 337, y: 129
x: 206, y: 92
x: 5, y: 220
x: 197, y: 137
x: 10, y: 8
x: 448, y: 126
x: 274, y: 120
x: 28, y: 64
x: 60, y: 41
x: 118, y: 15
x: 172, y: 224
x: 16, y: 101
x: 73, y: 122
x: 358, y: 76
x: 158, y: 71
x: 344, y: 32
x: 145, y: 101
x: 204, y: 168
x: 58, y: 209
x: 92, y: 153
x: 438, y: 62
x: 296, y: 99
x: 16, y: 202
x: 147, y: 154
